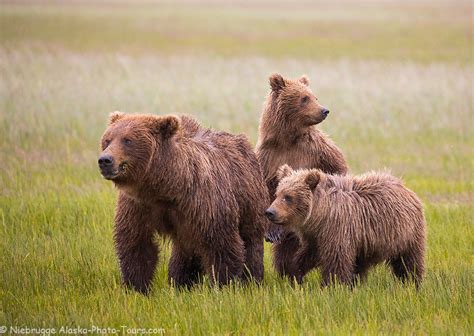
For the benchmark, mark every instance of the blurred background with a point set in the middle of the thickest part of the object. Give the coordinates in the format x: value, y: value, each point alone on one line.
x: 396, y: 75
x: 393, y: 73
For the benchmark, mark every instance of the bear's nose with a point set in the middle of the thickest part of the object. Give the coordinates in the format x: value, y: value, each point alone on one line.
x: 324, y: 112
x: 106, y: 161
x: 270, y: 214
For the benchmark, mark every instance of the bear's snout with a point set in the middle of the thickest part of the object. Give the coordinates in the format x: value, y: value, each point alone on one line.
x: 106, y: 161
x: 106, y: 165
x: 271, y: 214
x: 324, y: 112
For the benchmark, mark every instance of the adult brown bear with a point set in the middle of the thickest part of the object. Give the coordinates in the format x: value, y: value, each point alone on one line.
x: 201, y: 188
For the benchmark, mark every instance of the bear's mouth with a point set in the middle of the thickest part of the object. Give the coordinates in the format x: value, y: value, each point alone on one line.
x: 317, y: 119
x: 278, y: 222
x: 114, y: 174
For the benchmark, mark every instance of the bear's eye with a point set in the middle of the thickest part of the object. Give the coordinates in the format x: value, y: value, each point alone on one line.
x: 288, y: 199
x: 127, y: 141
x: 106, y: 143
x: 305, y: 99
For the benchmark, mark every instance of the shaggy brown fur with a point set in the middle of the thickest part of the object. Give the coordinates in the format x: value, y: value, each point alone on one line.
x: 201, y: 188
x: 346, y: 224
x: 287, y: 135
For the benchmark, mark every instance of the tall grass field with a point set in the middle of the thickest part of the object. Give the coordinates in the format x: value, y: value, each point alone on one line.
x: 396, y: 75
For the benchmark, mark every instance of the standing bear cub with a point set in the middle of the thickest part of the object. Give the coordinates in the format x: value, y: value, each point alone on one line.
x: 201, y: 188
x: 287, y: 135
x: 348, y: 224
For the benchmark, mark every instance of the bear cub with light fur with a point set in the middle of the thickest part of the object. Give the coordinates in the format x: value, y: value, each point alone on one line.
x: 347, y: 224
x: 288, y: 135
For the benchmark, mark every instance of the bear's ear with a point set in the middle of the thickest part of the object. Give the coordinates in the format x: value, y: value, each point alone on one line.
x: 312, y: 179
x: 304, y: 79
x: 277, y: 82
x: 166, y: 126
x: 115, y: 116
x: 283, y: 172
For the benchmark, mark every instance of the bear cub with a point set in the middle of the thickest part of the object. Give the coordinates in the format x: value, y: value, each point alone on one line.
x: 288, y: 135
x: 201, y: 188
x: 347, y: 224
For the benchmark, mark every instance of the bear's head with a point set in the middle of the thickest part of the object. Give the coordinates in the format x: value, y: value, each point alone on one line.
x: 130, y: 143
x: 294, y: 103
x: 294, y: 196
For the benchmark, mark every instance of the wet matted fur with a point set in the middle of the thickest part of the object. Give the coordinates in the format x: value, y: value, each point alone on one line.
x: 288, y: 135
x: 201, y: 188
x: 347, y: 224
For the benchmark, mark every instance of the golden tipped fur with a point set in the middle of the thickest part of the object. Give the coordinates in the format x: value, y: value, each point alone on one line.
x: 352, y: 223
x: 288, y: 135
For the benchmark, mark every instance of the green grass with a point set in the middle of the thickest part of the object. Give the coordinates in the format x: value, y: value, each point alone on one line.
x: 407, y: 106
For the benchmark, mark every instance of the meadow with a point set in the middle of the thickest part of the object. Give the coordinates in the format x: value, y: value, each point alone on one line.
x: 397, y: 77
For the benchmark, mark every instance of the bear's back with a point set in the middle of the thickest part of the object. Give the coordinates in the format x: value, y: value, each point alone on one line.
x: 379, y: 211
x: 230, y: 152
x: 379, y: 194
x: 370, y: 184
x: 216, y: 140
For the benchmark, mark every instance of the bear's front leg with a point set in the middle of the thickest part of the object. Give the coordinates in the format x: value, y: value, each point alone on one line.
x: 306, y: 259
x: 136, y: 250
x: 337, y: 265
x: 284, y: 253
x: 184, y: 269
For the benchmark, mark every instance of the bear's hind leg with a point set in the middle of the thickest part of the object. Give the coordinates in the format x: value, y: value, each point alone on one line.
x: 409, y: 265
x: 253, y: 267
x: 252, y: 234
x: 223, y: 259
x: 183, y: 270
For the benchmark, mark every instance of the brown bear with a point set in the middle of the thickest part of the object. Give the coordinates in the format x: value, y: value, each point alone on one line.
x: 287, y: 135
x: 346, y: 224
x: 201, y: 188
